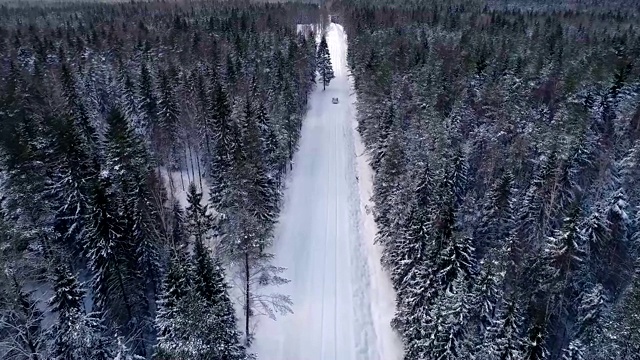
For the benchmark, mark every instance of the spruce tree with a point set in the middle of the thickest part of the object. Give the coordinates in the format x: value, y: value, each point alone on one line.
x: 535, y: 347
x: 486, y: 296
x: 115, y: 286
x: 131, y: 104
x: 176, y: 289
x: 448, y: 335
x: 122, y: 352
x: 196, y: 319
x: 565, y: 255
x: 269, y: 136
x: 225, y: 131
x: 127, y: 161
x: 575, y: 351
x: 259, y: 185
x: 456, y: 259
x: 496, y: 219
x: 503, y: 339
x: 76, y: 110
x: 199, y: 222
x: 148, y: 99
x: 68, y: 295
x: 71, y: 183
x: 591, y: 315
x: 178, y: 225
x: 75, y: 335
x: 323, y: 61
x: 168, y: 116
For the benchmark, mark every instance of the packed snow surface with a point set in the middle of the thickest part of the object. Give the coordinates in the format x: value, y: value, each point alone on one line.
x: 343, y: 300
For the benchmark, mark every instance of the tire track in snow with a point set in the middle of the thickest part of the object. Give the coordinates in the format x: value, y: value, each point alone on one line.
x: 336, y: 239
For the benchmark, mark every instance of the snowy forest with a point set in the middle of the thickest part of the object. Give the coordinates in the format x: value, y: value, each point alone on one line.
x: 506, y: 147
x: 143, y: 148
x: 146, y: 147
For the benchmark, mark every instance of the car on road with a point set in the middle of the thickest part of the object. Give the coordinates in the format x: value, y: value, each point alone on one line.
x: 334, y: 100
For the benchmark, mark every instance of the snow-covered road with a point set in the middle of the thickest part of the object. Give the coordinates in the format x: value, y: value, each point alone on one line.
x: 341, y: 311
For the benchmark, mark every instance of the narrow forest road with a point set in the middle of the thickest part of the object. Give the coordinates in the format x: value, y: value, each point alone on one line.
x: 320, y: 241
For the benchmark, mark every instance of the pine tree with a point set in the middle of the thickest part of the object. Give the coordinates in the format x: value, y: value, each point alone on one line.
x: 123, y: 352
x: 503, y: 340
x: 71, y: 183
x: 127, y: 161
x: 448, y: 326
x: 115, y: 290
x: 75, y: 335
x: 178, y: 225
x: 259, y: 185
x: 591, y: 315
x: 575, y: 351
x: 148, y: 100
x: 76, y: 110
x: 323, y: 61
x: 168, y: 117
x: 224, y: 130
x: 535, y: 348
x: 199, y: 222
x: 176, y: 289
x: 485, y: 296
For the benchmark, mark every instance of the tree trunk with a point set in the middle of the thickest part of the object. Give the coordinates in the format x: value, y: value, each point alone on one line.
x: 193, y: 169
x: 127, y: 304
x: 199, y: 171
x: 247, y: 298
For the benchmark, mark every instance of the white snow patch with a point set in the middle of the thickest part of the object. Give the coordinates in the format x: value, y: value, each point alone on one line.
x: 177, y: 184
x: 307, y: 29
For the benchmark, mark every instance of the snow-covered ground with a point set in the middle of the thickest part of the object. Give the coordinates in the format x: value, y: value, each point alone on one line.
x: 343, y: 300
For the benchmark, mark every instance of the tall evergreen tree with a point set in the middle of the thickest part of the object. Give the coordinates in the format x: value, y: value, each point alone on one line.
x: 168, y: 117
x: 225, y: 132
x: 176, y: 289
x: 71, y: 182
x: 199, y: 222
x: 178, y: 226
x: 75, y: 335
x: 448, y: 338
x: 127, y: 161
x: 76, y: 110
x: 575, y: 351
x: 503, y: 340
x: 323, y: 62
x: 535, y: 347
x: 115, y: 285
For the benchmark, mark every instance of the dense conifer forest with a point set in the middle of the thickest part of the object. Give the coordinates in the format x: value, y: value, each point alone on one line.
x: 505, y: 142
x: 106, y: 112
x: 145, y: 146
